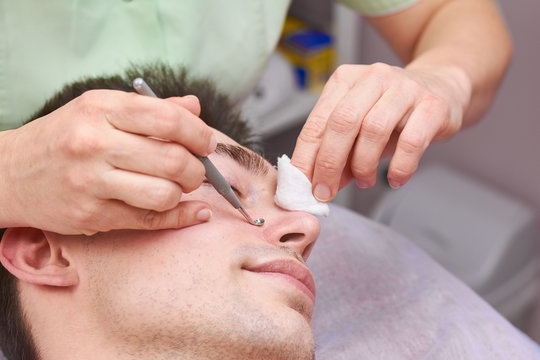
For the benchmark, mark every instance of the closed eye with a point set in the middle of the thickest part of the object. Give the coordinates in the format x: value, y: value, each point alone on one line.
x: 236, y: 191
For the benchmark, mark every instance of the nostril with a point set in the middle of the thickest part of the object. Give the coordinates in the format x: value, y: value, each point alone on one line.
x: 291, y: 237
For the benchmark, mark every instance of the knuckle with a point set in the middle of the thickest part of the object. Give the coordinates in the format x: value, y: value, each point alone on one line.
x: 342, y: 72
x: 151, y: 219
x: 324, y: 105
x: 313, y: 129
x: 195, y: 178
x: 75, y: 180
x: 412, y: 144
x: 362, y: 171
x: 174, y: 161
x: 329, y: 166
x: 90, y: 102
x: 374, y: 127
x: 90, y: 98
x: 164, y: 197
x: 86, y: 214
x: 344, y: 119
x: 81, y: 140
x: 381, y: 68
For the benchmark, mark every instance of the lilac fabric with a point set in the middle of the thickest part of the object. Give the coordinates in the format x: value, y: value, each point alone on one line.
x: 380, y: 297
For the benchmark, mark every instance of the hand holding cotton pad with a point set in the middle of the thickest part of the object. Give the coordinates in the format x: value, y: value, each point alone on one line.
x: 294, y: 190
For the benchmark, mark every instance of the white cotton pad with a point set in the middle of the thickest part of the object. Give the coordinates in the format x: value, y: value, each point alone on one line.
x: 294, y: 190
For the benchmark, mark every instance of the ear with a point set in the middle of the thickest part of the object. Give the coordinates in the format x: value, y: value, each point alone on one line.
x: 37, y: 257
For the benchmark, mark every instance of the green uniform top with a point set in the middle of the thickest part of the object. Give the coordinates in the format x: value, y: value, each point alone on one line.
x: 45, y: 44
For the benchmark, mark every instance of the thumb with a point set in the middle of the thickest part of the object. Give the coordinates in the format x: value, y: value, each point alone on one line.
x: 189, y: 102
x: 186, y: 213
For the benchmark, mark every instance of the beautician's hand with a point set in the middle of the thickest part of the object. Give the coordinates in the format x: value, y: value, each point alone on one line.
x: 93, y: 165
x: 367, y: 111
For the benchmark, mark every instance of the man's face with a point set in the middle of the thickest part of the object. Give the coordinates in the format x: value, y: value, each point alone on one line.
x: 223, y: 289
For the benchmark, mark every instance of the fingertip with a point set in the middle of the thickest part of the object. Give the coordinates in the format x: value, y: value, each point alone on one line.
x: 397, y: 182
x: 322, y: 192
x: 394, y: 184
x: 204, y: 215
x: 364, y: 184
x: 189, y: 102
x: 400, y: 171
x: 191, y: 98
x: 212, y: 145
x: 192, y: 104
x: 189, y: 213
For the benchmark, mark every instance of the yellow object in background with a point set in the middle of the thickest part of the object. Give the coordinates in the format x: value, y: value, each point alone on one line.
x: 292, y: 24
x: 312, y: 54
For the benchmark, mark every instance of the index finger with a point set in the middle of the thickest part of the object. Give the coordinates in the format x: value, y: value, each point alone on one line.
x: 312, y: 133
x: 342, y: 131
x: 164, y: 120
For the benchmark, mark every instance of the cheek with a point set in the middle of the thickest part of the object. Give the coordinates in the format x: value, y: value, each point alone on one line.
x: 132, y: 279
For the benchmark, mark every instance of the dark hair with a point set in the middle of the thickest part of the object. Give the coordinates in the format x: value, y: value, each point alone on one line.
x: 216, y: 110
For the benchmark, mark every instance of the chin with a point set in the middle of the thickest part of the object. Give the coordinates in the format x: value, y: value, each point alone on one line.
x: 268, y: 342
x: 285, y: 335
x: 291, y: 348
x: 296, y: 337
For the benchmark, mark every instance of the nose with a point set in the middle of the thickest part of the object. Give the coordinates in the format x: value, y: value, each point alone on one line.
x: 297, y: 230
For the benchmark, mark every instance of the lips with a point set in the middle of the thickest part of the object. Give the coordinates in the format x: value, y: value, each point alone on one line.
x: 290, y: 270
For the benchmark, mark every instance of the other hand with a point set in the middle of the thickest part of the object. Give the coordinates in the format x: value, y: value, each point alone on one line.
x: 367, y: 111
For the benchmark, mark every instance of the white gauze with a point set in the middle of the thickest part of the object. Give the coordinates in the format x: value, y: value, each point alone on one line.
x: 294, y: 190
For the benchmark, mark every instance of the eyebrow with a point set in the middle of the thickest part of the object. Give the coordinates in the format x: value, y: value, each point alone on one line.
x: 247, y: 159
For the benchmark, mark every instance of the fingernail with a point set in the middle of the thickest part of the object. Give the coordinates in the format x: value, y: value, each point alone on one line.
x: 322, y: 192
x: 362, y: 184
x: 394, y: 184
x: 191, y: 97
x: 213, y: 144
x: 204, y: 215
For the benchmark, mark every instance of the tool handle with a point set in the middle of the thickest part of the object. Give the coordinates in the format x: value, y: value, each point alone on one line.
x: 219, y: 182
x: 142, y: 87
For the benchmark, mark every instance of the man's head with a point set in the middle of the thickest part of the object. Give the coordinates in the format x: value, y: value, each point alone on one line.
x: 224, y: 289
